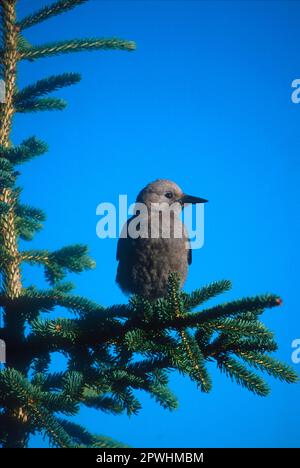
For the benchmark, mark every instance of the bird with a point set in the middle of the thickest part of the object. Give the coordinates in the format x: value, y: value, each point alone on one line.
x: 145, y: 254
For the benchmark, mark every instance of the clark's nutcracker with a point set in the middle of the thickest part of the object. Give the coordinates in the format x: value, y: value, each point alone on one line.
x: 157, y: 243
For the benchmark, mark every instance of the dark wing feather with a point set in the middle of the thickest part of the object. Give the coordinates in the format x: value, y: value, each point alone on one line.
x: 124, y: 246
x: 189, y: 253
x: 189, y: 256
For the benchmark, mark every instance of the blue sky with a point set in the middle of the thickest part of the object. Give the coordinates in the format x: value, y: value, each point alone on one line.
x: 206, y: 101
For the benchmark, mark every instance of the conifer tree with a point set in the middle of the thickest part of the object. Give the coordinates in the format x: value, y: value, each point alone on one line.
x: 111, y: 351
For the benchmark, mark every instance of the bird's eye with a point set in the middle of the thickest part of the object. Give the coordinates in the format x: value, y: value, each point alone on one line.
x: 169, y: 194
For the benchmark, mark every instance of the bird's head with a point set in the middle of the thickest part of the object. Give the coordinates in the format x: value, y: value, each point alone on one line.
x: 165, y: 191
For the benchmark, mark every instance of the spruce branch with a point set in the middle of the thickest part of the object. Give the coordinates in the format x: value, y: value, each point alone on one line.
x: 47, y: 12
x: 198, y: 370
x: 15, y: 385
x: 244, y: 377
x: 43, y: 104
x: 76, y: 45
x: 7, y: 176
x: 45, y: 301
x: 238, y: 327
x: 30, y: 213
x: 4, y: 208
x: 107, y: 404
x: 57, y: 264
x: 78, y: 434
x: 82, y: 438
x: 26, y: 227
x: 45, y: 86
x: 233, y: 343
x: 198, y: 296
x: 22, y: 42
x: 106, y: 442
x: 268, y: 364
x: 27, y: 150
x: 114, y: 352
x: 229, y: 309
x: 163, y: 396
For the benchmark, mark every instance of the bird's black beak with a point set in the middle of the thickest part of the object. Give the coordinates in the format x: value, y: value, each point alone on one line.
x: 185, y: 199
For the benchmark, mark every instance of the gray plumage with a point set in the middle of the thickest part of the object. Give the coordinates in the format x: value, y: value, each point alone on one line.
x: 146, y: 263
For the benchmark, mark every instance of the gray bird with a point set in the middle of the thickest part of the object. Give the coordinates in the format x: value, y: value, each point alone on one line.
x: 153, y: 249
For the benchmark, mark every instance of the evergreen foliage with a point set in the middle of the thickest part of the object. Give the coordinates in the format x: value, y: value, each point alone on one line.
x: 113, y: 351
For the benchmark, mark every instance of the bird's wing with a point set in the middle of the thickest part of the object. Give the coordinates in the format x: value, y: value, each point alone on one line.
x: 189, y: 256
x: 124, y: 244
x: 119, y: 248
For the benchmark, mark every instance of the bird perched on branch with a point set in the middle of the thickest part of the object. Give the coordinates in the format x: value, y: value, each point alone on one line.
x: 154, y: 242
